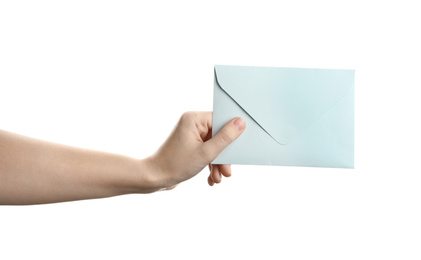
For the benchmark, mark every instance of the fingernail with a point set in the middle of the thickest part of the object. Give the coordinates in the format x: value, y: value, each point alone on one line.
x: 239, y: 123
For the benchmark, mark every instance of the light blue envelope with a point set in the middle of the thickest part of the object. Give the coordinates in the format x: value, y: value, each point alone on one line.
x: 294, y: 116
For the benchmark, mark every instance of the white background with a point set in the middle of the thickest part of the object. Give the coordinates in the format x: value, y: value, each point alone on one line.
x: 116, y: 75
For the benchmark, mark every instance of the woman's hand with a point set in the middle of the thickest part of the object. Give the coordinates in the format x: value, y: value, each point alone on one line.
x: 190, y: 148
x: 35, y: 172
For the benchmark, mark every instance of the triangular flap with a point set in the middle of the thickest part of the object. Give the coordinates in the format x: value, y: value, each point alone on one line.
x: 284, y: 101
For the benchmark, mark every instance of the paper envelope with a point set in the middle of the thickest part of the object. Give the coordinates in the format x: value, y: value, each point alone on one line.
x: 294, y: 116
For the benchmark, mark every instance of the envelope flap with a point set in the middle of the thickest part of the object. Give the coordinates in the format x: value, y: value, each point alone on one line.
x: 284, y: 101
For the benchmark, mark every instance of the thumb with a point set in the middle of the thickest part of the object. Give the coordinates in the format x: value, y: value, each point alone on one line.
x: 231, y: 131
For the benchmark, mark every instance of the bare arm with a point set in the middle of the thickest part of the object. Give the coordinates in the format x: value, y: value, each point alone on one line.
x: 35, y: 172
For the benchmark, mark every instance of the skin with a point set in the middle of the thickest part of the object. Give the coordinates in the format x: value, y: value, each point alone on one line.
x: 37, y: 172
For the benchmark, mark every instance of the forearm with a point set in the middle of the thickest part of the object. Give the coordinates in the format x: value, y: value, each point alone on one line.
x: 34, y: 172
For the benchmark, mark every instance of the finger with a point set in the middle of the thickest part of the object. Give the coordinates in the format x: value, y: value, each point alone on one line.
x: 215, y: 174
x: 207, y: 118
x: 225, y: 170
x: 210, y: 181
x: 205, y: 125
x: 211, y: 172
x: 231, y: 131
x: 170, y: 188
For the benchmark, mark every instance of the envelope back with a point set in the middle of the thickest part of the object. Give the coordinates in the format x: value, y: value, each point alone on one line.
x: 285, y: 102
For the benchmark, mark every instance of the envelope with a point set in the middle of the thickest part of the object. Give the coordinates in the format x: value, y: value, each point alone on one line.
x: 294, y: 116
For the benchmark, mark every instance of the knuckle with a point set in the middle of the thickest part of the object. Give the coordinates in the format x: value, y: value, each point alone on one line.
x: 226, y: 136
x: 207, y: 154
x: 187, y: 116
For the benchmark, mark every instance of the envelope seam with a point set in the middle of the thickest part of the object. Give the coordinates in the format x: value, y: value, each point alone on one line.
x: 219, y: 85
x: 322, y: 115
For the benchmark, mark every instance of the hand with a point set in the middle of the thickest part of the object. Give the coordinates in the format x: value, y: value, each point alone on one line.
x: 190, y: 148
x: 35, y: 172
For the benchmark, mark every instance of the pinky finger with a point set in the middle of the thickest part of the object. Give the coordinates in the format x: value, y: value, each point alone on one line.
x: 210, y: 181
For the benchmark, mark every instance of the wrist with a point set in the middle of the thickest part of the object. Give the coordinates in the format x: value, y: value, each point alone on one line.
x: 136, y: 177
x: 151, y: 177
